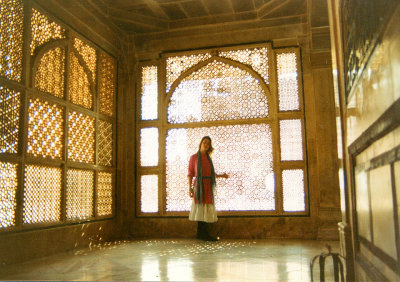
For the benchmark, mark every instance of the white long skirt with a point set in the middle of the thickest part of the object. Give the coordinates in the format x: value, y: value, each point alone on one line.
x: 203, y: 212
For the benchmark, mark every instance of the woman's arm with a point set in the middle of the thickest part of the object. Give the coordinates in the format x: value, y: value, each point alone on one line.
x: 190, y: 179
x: 224, y: 175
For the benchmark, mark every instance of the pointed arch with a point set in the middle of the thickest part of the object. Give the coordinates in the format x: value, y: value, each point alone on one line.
x: 250, y: 98
x: 42, y: 77
x: 234, y: 63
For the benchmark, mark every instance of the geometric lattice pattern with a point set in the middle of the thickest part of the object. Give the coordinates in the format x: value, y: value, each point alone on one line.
x: 89, y: 56
x: 72, y: 70
x: 11, y: 39
x: 43, y: 30
x: 81, y: 138
x: 217, y: 91
x: 79, y: 194
x: 105, y: 148
x: 107, y: 83
x: 179, y: 64
x: 42, y: 194
x: 9, y: 119
x: 242, y: 151
x: 79, y: 87
x: 104, y: 198
x: 45, y: 129
x: 149, y: 193
x: 293, y: 190
x: 49, y: 76
x: 8, y: 190
x: 291, y: 140
x: 149, y: 146
x: 256, y: 58
x: 288, y: 82
x: 149, y: 102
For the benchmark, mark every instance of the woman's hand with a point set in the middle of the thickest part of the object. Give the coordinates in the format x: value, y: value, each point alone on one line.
x: 224, y: 175
x: 191, y: 194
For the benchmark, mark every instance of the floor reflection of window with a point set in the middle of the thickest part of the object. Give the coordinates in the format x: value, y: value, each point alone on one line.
x: 150, y: 269
x: 180, y: 269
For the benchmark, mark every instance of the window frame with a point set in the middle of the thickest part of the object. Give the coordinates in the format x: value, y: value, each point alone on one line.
x: 27, y: 89
x: 273, y: 119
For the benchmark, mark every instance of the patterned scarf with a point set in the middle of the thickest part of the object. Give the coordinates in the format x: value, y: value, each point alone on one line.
x: 199, y: 178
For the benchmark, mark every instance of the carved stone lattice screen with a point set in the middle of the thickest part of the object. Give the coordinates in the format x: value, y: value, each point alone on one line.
x: 11, y: 39
x: 205, y: 94
x: 149, y: 93
x: 177, y: 65
x: 50, y: 73
x: 42, y: 194
x: 107, y: 80
x: 248, y: 100
x: 80, y: 187
x: 9, y: 115
x: 104, y: 198
x: 148, y: 193
x: 105, y: 143
x: 81, y: 135
x: 45, y: 129
x: 79, y: 85
x: 257, y: 58
x: 57, y: 128
x: 43, y: 30
x: 288, y: 82
x: 149, y: 146
x: 291, y: 140
x: 8, y: 190
x: 242, y: 151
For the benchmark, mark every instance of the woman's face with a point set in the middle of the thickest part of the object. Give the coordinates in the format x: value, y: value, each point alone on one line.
x: 205, y: 145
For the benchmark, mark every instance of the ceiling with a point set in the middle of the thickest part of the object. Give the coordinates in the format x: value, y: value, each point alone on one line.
x: 152, y: 16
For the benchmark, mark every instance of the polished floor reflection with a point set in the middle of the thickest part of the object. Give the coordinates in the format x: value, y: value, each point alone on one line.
x: 179, y: 260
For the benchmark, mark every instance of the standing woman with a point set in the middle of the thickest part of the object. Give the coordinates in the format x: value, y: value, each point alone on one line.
x: 203, y: 206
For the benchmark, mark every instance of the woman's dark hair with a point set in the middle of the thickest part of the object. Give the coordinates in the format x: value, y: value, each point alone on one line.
x: 211, y: 148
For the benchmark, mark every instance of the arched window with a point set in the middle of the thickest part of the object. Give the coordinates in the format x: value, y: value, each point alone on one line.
x: 248, y: 100
x: 57, y: 142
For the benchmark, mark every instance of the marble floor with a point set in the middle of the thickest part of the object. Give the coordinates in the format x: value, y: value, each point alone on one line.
x: 180, y: 260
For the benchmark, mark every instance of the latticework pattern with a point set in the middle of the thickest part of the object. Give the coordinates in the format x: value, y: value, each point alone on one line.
x: 11, y: 39
x: 179, y: 64
x: 8, y: 190
x: 291, y: 140
x: 44, y: 30
x: 79, y: 194
x: 79, y: 90
x: 288, y: 85
x: 149, y: 96
x: 104, y: 199
x: 293, y: 190
x: 107, y: 80
x: 149, y: 193
x: 217, y: 92
x: 242, y: 151
x: 45, y: 129
x: 81, y: 138
x: 10, y: 104
x: 105, y: 150
x: 256, y: 58
x: 89, y: 56
x: 42, y: 194
x: 49, y: 76
x: 149, y: 146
